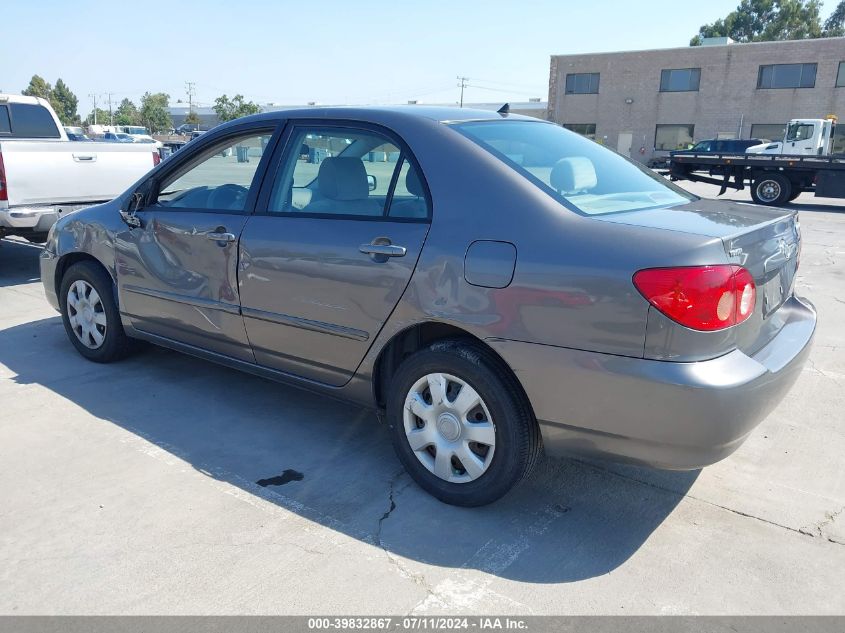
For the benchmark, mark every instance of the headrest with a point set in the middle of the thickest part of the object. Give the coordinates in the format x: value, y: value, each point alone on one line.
x: 413, y: 183
x: 573, y: 174
x: 343, y: 178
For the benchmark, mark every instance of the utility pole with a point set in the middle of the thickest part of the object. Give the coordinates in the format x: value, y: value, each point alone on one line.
x: 191, y: 90
x: 94, y: 98
x: 462, y: 85
x: 111, y: 115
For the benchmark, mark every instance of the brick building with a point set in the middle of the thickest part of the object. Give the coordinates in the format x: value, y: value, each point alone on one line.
x: 645, y: 103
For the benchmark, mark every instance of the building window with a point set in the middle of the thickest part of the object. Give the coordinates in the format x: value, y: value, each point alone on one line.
x: 787, y: 76
x: 584, y: 129
x: 582, y: 84
x: 669, y: 137
x: 680, y: 79
x: 840, y: 76
x: 768, y: 131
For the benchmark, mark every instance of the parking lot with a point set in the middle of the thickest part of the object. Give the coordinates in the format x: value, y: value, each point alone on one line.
x: 169, y: 485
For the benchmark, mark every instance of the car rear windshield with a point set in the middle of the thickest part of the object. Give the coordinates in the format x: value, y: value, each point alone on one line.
x: 578, y: 172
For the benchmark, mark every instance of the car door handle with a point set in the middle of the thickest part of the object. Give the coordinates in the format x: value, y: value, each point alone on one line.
x: 221, y: 237
x: 85, y: 158
x: 385, y: 250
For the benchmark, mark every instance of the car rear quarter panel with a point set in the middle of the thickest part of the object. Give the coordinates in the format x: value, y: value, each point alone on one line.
x: 572, y: 280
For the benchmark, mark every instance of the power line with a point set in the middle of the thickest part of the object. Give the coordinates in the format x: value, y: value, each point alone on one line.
x: 507, y: 84
x: 476, y: 86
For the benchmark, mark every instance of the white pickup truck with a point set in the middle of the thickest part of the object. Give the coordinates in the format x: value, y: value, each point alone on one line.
x: 43, y: 175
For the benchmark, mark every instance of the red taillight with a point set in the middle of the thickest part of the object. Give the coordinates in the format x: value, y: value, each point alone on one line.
x: 4, y: 192
x: 700, y: 297
x: 156, y: 158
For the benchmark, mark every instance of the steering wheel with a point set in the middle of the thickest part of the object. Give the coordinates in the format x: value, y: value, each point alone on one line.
x: 228, y: 196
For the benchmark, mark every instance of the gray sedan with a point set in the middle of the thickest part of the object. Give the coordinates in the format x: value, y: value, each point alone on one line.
x: 493, y: 285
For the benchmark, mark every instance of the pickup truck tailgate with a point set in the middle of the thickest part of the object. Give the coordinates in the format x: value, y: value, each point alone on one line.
x: 53, y: 172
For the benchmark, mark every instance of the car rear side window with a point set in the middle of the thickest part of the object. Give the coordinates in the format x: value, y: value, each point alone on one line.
x: 409, y: 196
x: 30, y: 120
x: 347, y: 172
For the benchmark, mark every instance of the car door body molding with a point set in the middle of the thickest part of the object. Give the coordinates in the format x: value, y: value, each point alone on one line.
x: 306, y: 324
x: 198, y: 302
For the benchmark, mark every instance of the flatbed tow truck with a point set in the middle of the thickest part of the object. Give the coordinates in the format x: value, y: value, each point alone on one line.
x: 774, y: 174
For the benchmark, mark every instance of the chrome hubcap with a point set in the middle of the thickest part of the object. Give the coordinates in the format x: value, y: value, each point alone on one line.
x: 86, y: 314
x: 768, y: 190
x: 449, y: 428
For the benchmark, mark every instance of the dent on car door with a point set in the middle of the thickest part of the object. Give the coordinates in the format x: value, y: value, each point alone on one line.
x: 177, y: 271
x: 331, y: 249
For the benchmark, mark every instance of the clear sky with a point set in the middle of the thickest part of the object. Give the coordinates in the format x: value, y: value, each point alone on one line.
x: 328, y: 51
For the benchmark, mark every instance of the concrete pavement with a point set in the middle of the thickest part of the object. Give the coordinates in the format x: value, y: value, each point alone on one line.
x: 131, y: 489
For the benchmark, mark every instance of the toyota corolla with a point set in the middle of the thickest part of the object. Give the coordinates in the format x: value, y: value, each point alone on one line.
x: 493, y: 285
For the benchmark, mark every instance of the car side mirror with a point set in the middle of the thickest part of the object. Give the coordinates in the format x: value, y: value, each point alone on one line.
x: 132, y: 205
x: 372, y: 183
x: 130, y: 219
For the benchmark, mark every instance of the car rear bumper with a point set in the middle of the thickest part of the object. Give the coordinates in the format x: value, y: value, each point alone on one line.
x: 35, y: 219
x: 658, y: 413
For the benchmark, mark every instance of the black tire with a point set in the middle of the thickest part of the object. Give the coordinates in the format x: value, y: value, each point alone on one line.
x: 517, y: 435
x: 116, y: 345
x: 771, y: 189
x: 795, y: 193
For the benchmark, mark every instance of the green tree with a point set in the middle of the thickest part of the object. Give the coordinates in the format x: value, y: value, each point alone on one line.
x: 127, y: 114
x: 102, y: 117
x: 154, y: 112
x: 64, y: 102
x: 768, y: 20
x: 834, y: 26
x: 38, y: 87
x: 192, y: 118
x: 228, y: 109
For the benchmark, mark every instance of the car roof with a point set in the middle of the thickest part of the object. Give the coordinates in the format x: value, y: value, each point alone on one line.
x: 377, y: 114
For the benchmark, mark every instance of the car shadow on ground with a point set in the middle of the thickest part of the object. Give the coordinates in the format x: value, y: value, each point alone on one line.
x: 831, y: 205
x: 18, y: 262
x: 333, y: 464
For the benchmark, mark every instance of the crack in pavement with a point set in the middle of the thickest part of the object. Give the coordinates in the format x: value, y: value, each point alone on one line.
x: 818, y: 528
x: 801, y: 531
x: 391, y: 491
x: 415, y: 577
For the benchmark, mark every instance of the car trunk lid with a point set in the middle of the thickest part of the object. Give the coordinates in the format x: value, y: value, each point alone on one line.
x: 765, y: 241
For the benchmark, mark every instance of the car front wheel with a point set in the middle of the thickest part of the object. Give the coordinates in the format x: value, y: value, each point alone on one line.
x: 89, y: 313
x: 460, y: 423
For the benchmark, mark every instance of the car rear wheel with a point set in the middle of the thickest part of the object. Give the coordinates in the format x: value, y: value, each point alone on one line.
x: 89, y: 313
x: 771, y: 190
x: 460, y: 423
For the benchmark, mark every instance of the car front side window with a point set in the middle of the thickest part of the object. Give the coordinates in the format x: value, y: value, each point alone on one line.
x: 220, y: 179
